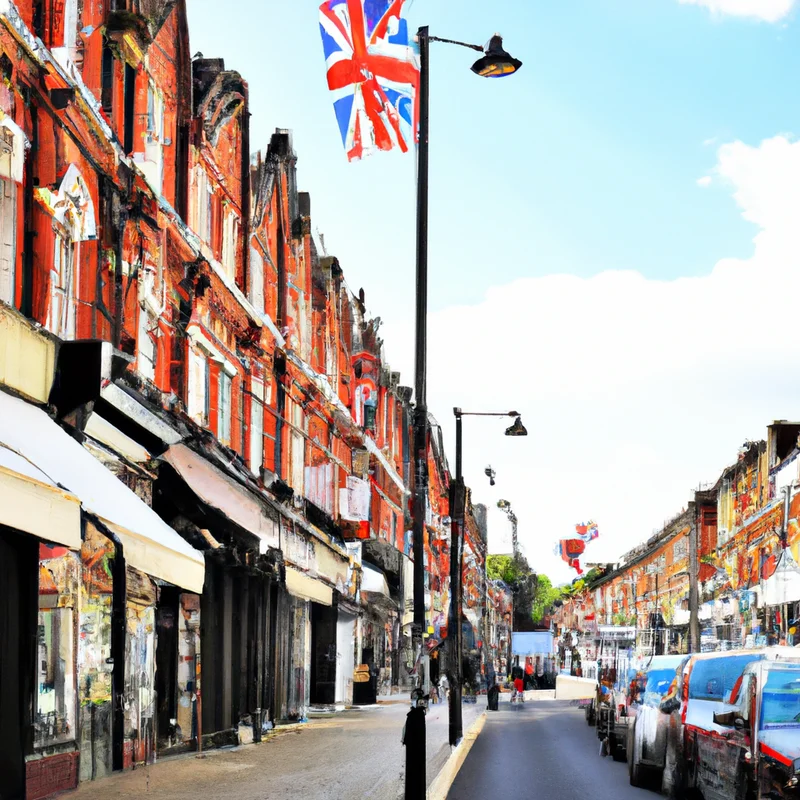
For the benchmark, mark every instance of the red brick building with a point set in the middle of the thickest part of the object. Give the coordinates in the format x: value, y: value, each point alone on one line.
x: 167, y: 314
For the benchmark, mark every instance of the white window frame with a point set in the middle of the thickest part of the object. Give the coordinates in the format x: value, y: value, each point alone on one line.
x: 230, y: 235
x: 8, y: 238
x: 63, y: 277
x: 256, y: 426
x: 224, y: 407
x: 197, y: 391
x: 298, y: 457
x: 256, y: 279
x: 200, y: 216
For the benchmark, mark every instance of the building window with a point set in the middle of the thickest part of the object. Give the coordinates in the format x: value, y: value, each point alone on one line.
x: 8, y: 233
x: 224, y: 426
x: 197, y: 400
x: 201, y: 205
x: 257, y: 280
x: 256, y: 427
x: 62, y: 288
x: 152, y: 165
x: 298, y: 457
x: 107, y: 84
x: 230, y: 236
x: 129, y: 101
x: 56, y: 695
x: 74, y: 222
x: 370, y: 410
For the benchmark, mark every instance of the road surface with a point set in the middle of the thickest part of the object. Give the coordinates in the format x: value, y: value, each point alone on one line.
x: 544, y: 750
x: 350, y: 756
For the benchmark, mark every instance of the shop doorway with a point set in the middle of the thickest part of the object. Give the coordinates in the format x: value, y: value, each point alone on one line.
x: 323, y: 654
x: 18, y: 612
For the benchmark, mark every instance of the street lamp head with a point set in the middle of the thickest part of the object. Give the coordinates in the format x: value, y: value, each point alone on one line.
x: 517, y: 429
x: 503, y: 504
x: 496, y: 63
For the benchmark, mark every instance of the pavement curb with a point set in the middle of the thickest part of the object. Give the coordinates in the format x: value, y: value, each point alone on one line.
x: 440, y: 787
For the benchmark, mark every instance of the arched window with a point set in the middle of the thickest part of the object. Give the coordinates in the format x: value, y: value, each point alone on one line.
x: 73, y: 222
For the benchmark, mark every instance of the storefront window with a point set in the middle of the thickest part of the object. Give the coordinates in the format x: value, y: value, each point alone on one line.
x: 56, y: 694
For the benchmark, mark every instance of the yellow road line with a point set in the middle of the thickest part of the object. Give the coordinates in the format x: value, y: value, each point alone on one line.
x: 444, y: 780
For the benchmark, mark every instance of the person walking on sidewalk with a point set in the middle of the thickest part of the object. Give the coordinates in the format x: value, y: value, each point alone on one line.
x: 519, y: 690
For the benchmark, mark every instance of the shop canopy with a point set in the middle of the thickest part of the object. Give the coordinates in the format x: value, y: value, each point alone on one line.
x: 223, y: 493
x: 149, y: 544
x: 31, y: 502
x: 305, y: 587
x: 783, y: 586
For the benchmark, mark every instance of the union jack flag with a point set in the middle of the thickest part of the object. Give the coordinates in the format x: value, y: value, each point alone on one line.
x: 373, y: 73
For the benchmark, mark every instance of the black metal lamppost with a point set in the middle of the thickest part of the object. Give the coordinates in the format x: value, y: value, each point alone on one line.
x: 494, y: 63
x: 457, y: 507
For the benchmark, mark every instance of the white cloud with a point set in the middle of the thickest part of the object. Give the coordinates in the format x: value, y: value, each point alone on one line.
x: 633, y: 390
x: 767, y: 10
x: 704, y: 182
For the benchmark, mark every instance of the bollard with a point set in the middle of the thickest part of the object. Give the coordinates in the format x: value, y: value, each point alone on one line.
x: 414, y: 741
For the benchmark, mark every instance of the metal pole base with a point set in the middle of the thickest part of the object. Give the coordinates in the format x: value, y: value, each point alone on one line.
x: 415, y: 742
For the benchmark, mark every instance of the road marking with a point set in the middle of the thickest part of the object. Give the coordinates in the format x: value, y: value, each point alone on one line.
x: 447, y: 775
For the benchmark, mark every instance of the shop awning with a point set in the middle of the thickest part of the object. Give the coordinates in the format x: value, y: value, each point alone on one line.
x: 783, y: 586
x: 373, y: 580
x: 224, y: 494
x: 149, y: 544
x: 31, y: 502
x: 307, y: 588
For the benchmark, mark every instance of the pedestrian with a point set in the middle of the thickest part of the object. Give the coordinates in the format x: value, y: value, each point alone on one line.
x: 519, y: 689
x: 444, y: 686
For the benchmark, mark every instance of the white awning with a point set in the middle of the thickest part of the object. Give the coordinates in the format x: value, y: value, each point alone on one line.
x: 783, y: 586
x: 306, y: 588
x: 31, y: 502
x: 149, y: 544
x: 373, y: 580
x: 223, y: 493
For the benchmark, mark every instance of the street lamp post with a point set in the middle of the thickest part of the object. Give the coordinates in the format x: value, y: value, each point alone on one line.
x: 457, y: 508
x: 494, y: 63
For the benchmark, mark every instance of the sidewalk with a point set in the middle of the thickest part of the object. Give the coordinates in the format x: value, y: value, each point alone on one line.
x: 351, y: 755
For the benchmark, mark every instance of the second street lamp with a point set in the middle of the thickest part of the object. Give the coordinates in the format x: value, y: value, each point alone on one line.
x: 494, y: 63
x: 457, y: 508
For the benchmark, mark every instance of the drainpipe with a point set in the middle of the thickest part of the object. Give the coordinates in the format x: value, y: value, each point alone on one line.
x: 119, y: 311
x: 787, y: 504
x: 694, y: 582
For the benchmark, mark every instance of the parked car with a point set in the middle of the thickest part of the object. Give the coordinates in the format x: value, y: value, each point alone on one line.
x: 647, y: 726
x: 700, y: 690
x: 758, y: 753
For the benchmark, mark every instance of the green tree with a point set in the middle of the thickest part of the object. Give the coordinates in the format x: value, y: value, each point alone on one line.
x: 546, y: 594
x: 502, y: 568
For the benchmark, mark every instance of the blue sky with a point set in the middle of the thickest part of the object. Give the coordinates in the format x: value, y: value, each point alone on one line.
x: 584, y: 163
x: 586, y: 160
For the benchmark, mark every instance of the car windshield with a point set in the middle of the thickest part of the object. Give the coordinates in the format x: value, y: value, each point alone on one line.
x: 780, y: 702
x: 658, y: 683
x: 713, y: 678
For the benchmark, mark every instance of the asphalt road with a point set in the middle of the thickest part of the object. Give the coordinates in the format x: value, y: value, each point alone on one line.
x: 542, y: 750
x: 350, y: 756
